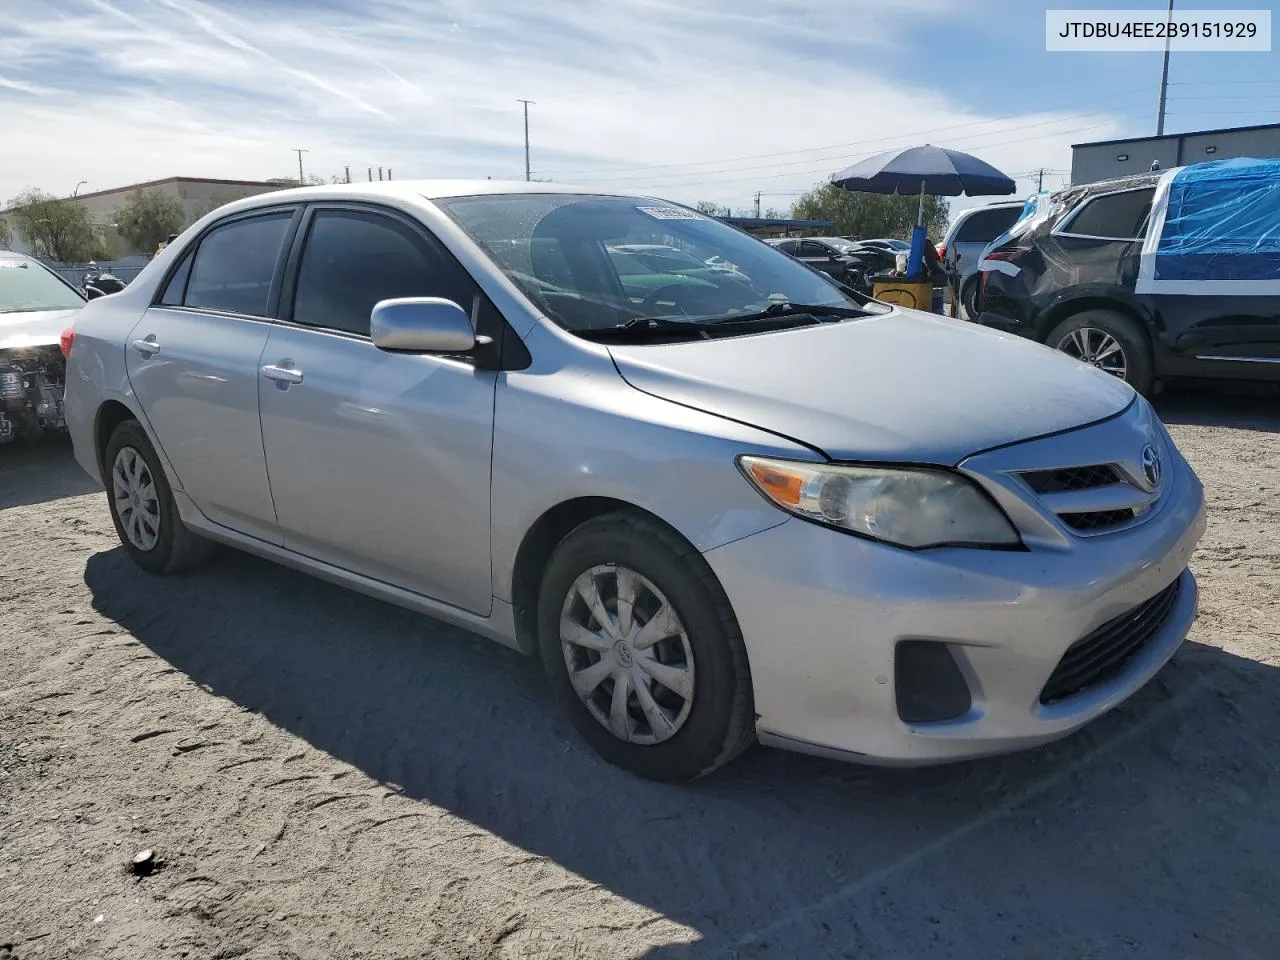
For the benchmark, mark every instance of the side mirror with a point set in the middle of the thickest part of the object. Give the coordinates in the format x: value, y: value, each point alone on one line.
x: 421, y: 325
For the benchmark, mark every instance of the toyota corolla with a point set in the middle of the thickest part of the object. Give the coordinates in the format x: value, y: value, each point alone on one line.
x: 721, y: 506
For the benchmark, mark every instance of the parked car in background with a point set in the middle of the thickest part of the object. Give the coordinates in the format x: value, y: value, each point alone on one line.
x: 845, y: 260
x: 1166, y: 274
x: 35, y: 307
x: 970, y: 233
x: 771, y: 509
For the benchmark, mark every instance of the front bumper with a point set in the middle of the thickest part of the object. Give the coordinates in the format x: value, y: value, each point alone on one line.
x: 822, y: 613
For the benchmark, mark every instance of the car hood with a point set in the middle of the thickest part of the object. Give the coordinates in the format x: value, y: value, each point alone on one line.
x: 906, y: 386
x: 36, y: 328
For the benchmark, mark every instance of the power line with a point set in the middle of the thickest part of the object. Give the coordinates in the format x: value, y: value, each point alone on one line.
x: 677, y: 179
x: 1111, y: 98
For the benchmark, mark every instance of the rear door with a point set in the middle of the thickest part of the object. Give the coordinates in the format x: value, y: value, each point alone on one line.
x: 818, y: 255
x: 193, y: 362
x: 379, y: 462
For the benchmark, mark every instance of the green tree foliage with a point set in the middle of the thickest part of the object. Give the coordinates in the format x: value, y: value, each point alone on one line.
x: 871, y: 214
x: 711, y: 209
x: 148, y: 218
x: 6, y: 238
x: 57, y: 229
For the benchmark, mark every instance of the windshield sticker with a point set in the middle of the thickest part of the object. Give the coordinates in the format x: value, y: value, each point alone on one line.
x: 670, y: 213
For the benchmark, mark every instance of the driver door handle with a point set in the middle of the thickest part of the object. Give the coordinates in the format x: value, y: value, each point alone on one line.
x: 147, y: 347
x: 281, y: 374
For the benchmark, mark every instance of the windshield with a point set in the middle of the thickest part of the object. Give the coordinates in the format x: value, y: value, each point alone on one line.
x: 595, y: 262
x: 27, y: 286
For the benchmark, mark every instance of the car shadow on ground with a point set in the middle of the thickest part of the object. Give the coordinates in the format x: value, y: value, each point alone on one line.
x: 1244, y: 406
x: 1150, y: 833
x: 38, y: 471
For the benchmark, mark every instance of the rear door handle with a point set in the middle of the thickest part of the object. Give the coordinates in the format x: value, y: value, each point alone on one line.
x: 147, y: 347
x: 281, y: 374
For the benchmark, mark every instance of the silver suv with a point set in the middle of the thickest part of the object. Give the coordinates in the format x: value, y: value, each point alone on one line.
x: 720, y: 505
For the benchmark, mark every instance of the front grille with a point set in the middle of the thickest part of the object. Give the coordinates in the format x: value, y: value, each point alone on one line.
x: 1072, y: 478
x: 1096, y: 520
x: 1103, y: 653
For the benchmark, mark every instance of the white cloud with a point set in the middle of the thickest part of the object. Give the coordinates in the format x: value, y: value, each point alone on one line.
x: 713, y: 100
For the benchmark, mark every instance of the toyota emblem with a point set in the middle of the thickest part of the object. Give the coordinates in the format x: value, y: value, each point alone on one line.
x: 1151, y: 466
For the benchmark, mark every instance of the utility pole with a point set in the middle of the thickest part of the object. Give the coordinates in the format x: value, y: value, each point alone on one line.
x: 759, y: 193
x: 526, y: 138
x: 1164, y: 77
x: 300, y: 152
x: 1040, y: 182
x: 347, y: 171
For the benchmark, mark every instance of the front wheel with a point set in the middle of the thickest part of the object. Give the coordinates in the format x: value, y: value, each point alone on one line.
x: 1111, y: 342
x: 643, y: 650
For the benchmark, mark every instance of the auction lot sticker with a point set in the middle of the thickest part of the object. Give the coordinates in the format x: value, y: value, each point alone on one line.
x: 1126, y: 31
x: 670, y: 213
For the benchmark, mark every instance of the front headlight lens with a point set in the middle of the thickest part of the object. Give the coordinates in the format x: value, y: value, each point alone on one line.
x: 907, y: 507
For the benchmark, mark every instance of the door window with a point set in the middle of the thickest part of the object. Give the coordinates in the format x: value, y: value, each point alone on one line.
x: 813, y: 250
x: 235, y: 264
x: 1113, y: 216
x: 354, y: 258
x: 788, y: 247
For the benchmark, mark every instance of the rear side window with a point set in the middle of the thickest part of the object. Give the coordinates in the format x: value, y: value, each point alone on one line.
x: 176, y: 288
x: 811, y: 249
x: 1115, y: 216
x: 354, y: 258
x: 788, y: 247
x: 986, y: 225
x: 235, y: 263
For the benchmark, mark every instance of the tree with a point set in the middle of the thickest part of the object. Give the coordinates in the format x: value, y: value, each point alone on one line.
x: 712, y: 209
x: 871, y: 214
x: 149, y: 218
x: 57, y: 229
x: 6, y: 238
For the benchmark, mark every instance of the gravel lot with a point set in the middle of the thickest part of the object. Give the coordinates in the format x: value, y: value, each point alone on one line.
x: 324, y: 776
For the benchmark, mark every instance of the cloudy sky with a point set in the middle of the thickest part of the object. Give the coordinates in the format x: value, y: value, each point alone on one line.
x: 689, y: 99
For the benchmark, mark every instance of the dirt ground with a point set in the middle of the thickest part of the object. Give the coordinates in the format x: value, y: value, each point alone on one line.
x: 324, y: 776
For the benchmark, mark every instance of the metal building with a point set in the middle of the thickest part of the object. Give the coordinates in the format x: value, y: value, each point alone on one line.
x: 1106, y: 159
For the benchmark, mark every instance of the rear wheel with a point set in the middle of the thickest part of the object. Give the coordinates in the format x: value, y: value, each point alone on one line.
x: 142, y: 508
x: 1109, y: 341
x: 643, y: 651
x: 969, y: 298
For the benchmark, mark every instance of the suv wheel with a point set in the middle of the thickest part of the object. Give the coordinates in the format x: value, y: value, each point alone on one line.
x: 1109, y: 341
x: 643, y: 650
x: 969, y: 298
x: 142, y: 507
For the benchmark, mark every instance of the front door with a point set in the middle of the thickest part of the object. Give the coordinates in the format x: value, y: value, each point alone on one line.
x: 193, y: 363
x: 379, y: 462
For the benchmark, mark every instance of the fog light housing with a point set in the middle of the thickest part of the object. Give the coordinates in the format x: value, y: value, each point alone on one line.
x: 928, y: 684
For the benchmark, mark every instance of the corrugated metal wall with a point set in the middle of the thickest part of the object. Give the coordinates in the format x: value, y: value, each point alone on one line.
x: 1092, y: 162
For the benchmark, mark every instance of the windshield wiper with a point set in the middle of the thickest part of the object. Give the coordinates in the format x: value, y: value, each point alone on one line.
x: 640, y: 327
x: 787, y: 309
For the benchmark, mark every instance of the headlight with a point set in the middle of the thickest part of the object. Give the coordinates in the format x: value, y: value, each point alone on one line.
x: 908, y: 507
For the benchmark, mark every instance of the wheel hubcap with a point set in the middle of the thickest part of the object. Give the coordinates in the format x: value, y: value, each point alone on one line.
x: 627, y: 654
x: 1096, y: 348
x: 133, y: 490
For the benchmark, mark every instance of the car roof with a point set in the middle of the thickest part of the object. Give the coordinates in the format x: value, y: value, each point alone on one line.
x: 418, y: 189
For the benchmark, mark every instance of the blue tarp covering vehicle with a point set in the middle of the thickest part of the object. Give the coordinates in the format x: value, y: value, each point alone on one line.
x: 1215, y: 230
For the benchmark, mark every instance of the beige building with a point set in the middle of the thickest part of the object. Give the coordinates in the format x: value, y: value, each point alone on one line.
x: 198, y: 195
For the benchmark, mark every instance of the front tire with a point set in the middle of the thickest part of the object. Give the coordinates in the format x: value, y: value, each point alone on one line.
x: 142, y: 508
x: 1110, y: 341
x: 643, y: 651
x: 969, y: 299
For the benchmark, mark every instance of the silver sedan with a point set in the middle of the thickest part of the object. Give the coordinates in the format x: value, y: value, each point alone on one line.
x: 721, y: 506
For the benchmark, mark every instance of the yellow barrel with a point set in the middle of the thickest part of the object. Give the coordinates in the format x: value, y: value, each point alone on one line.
x: 915, y: 294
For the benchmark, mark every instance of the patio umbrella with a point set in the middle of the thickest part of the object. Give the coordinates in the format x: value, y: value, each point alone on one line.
x: 933, y: 170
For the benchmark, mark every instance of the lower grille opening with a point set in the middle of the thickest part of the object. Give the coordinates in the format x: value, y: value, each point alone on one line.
x: 1102, y: 654
x: 928, y: 684
x: 1097, y: 520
